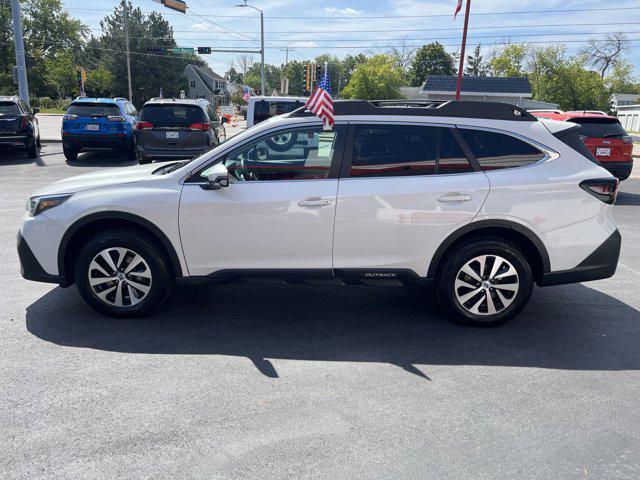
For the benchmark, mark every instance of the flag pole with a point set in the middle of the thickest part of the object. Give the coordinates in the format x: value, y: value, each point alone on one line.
x: 464, y: 43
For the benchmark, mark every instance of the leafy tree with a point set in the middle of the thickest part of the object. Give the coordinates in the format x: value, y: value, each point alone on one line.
x: 295, y: 71
x: 61, y: 74
x: 476, y: 67
x: 621, y: 79
x: 272, y: 75
x: 233, y: 75
x: 431, y: 59
x: 99, y: 83
x: 379, y: 77
x: 509, y: 62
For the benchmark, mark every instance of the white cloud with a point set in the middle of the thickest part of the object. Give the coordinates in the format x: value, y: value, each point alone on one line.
x: 304, y: 44
x: 342, y: 11
x: 200, y: 27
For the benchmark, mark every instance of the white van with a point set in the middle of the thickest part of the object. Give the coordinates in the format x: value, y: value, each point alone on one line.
x: 261, y: 108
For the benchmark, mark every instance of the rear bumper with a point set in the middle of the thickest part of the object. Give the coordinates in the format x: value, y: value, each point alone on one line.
x: 30, y: 268
x: 15, y: 141
x: 600, y: 264
x: 170, y: 154
x: 618, y: 169
x: 76, y: 140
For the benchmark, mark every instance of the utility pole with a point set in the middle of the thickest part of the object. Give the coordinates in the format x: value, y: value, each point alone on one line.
x: 245, y: 4
x: 464, y: 44
x: 126, y: 47
x: 23, y: 86
x: 286, y: 55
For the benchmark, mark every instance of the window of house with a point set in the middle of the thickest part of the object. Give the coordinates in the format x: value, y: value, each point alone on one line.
x: 192, y: 83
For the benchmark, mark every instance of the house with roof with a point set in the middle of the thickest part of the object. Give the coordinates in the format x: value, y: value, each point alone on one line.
x: 207, y: 84
x: 514, y: 90
x: 621, y: 99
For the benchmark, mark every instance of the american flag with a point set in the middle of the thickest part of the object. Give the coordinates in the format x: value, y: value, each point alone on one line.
x: 246, y: 95
x: 321, y: 102
x: 458, y: 7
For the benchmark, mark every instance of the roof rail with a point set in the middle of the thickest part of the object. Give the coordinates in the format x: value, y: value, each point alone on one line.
x: 120, y: 98
x: 453, y: 108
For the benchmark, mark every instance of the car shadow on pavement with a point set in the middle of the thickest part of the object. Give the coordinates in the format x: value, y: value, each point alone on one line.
x: 17, y: 157
x: 627, y: 198
x: 571, y: 327
x: 102, y: 158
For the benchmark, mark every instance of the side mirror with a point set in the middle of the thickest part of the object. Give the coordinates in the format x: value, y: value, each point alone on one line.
x: 217, y: 178
x: 35, y: 110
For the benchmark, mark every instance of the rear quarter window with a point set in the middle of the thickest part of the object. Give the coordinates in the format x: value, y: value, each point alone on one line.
x: 172, y: 116
x: 93, y: 109
x: 496, y: 151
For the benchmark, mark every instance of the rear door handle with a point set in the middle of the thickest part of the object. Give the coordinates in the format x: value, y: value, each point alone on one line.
x: 454, y: 197
x: 314, y: 202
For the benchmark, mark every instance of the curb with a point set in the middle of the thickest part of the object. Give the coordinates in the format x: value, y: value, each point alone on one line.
x: 51, y: 140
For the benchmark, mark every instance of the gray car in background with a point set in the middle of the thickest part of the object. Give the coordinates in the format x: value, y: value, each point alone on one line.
x: 171, y: 128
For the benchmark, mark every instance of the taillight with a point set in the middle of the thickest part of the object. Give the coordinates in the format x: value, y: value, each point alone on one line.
x: 115, y: 118
x: 203, y: 127
x: 604, y: 189
x: 627, y: 139
x: 23, y: 121
x: 144, y: 126
x: 583, y: 138
x: 69, y: 117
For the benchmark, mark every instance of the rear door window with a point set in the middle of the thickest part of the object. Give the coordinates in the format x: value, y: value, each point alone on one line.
x: 93, y: 109
x: 9, y: 108
x: 600, y: 127
x: 405, y: 150
x: 172, y: 116
x: 496, y: 151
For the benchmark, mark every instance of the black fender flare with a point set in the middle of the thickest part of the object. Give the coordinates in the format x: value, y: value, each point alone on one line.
x: 117, y: 215
x: 486, y: 224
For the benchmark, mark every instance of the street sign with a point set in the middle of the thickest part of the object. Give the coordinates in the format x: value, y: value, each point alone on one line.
x: 204, y: 50
x: 183, y: 49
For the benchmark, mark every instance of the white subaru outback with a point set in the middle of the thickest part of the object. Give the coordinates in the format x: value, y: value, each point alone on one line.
x: 480, y: 198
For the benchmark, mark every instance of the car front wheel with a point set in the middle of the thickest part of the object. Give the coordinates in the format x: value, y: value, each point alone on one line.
x: 485, y: 283
x: 123, y: 273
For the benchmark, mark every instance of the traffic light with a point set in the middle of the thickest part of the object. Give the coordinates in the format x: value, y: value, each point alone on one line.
x: 156, y: 49
x: 177, y: 5
x: 204, y: 50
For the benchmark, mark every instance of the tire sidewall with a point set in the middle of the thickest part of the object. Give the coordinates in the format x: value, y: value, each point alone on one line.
x: 162, y: 278
x: 447, y: 276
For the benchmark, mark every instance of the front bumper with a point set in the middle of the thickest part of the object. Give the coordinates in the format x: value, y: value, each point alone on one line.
x: 600, y: 264
x: 30, y: 268
x: 618, y: 169
x: 115, y: 140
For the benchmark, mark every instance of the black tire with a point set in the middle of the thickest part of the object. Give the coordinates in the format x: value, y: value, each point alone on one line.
x: 448, y: 295
x: 71, y: 154
x: 130, y: 151
x: 32, y: 150
x: 158, y: 286
x: 143, y: 160
x: 280, y: 143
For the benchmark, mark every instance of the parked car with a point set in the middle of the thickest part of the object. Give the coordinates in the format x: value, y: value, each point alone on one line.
x: 173, y: 128
x: 479, y: 199
x: 19, y: 128
x: 260, y: 109
x: 95, y: 123
x: 604, y: 137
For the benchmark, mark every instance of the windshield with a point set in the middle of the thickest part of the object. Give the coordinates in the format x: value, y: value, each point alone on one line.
x: 172, y: 116
x: 93, y: 109
x: 9, y: 108
x: 599, y: 127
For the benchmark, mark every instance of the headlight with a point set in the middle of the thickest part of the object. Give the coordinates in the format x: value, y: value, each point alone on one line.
x: 37, y: 205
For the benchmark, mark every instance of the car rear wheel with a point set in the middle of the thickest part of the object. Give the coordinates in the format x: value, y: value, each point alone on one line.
x: 70, y: 153
x: 122, y: 273
x: 485, y: 283
x: 32, y: 150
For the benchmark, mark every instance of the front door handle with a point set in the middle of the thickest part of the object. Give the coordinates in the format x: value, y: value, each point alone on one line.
x: 454, y: 197
x: 314, y: 202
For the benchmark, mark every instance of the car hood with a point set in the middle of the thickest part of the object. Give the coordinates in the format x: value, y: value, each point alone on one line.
x: 103, y: 178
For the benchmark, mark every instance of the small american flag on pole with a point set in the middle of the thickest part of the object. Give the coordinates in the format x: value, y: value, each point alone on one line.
x: 320, y: 103
x: 458, y: 7
x: 246, y: 95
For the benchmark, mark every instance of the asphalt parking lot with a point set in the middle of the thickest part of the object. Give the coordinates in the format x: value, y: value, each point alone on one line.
x: 292, y: 382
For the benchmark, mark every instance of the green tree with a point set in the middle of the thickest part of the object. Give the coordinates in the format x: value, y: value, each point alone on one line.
x: 295, y: 71
x: 509, y: 62
x: 272, y: 75
x: 99, y: 83
x: 234, y: 76
x: 621, y: 79
x: 379, y: 77
x: 475, y: 65
x: 61, y: 74
x: 431, y: 59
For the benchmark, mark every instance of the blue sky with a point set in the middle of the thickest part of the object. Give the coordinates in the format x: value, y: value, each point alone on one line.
x: 342, y: 27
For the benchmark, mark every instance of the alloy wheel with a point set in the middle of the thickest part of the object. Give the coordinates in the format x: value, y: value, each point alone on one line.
x: 119, y: 277
x: 486, y: 285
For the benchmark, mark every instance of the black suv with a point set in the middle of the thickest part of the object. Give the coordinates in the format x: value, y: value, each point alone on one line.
x: 171, y: 128
x: 19, y: 126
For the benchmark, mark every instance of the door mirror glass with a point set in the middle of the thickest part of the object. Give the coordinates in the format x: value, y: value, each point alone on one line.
x: 217, y: 177
x: 36, y: 110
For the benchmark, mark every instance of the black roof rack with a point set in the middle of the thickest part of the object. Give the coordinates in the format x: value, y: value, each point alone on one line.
x: 419, y: 108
